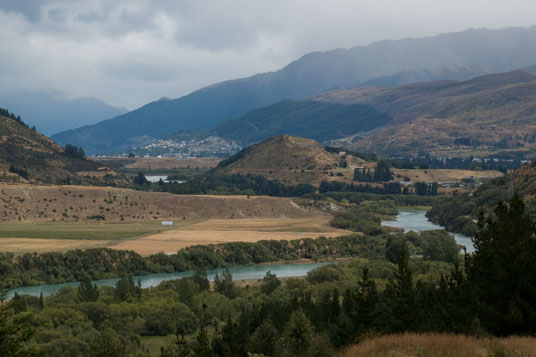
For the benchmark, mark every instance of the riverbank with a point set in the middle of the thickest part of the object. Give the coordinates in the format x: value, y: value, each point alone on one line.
x: 251, y: 273
x: 416, y: 220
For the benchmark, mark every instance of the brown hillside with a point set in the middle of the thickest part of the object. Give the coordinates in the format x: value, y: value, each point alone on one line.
x: 43, y: 160
x: 24, y: 202
x: 495, y: 112
x: 285, y: 158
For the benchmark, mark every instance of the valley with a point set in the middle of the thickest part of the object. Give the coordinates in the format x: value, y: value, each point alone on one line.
x: 372, y: 200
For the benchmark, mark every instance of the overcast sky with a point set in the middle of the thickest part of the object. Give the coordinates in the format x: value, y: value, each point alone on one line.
x: 130, y: 52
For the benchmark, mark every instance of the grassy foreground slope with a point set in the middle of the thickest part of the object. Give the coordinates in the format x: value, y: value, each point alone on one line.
x: 433, y: 344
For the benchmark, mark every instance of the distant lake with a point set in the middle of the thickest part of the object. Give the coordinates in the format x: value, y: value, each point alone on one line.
x: 416, y: 220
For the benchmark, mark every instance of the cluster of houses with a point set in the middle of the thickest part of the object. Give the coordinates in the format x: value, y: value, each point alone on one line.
x: 212, y: 146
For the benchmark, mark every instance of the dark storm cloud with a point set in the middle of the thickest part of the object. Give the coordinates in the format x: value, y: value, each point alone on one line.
x: 128, y: 52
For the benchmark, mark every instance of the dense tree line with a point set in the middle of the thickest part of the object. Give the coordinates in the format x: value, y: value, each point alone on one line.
x: 358, y: 197
x: 381, y: 173
x: 236, y: 184
x: 390, y: 188
x: 425, y: 189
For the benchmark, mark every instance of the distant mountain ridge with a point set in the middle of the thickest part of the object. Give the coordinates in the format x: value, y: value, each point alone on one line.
x: 453, y: 55
x: 51, y: 114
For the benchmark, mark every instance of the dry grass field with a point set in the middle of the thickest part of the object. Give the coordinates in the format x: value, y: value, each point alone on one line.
x: 29, y: 245
x: 435, y: 175
x: 439, y: 345
x: 216, y: 231
x: 159, y: 163
x: 32, y: 203
x: 151, y: 237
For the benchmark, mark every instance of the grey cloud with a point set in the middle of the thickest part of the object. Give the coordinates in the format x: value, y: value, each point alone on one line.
x: 128, y: 52
x: 30, y: 9
x: 130, y: 69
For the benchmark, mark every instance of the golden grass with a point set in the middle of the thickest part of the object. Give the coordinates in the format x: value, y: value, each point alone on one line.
x: 429, y: 344
x: 29, y: 245
x: 437, y: 175
x: 216, y: 231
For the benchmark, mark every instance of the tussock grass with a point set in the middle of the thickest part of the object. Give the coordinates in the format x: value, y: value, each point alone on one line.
x: 429, y: 344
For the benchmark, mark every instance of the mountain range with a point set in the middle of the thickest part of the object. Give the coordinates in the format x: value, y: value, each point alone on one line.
x: 458, y: 56
x: 51, y: 113
x: 488, y: 114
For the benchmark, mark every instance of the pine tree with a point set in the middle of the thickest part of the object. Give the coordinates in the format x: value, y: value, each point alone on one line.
x: 41, y: 302
x: 404, y: 294
x: 86, y: 291
x: 298, y: 334
x: 502, y: 273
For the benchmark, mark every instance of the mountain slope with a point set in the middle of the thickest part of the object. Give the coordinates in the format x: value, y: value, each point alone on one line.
x: 487, y: 114
x: 52, y: 114
x: 484, y: 51
x: 309, y: 119
x: 26, y: 155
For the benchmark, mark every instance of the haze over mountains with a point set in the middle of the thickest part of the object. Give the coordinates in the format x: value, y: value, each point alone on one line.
x: 51, y: 114
x: 449, y: 56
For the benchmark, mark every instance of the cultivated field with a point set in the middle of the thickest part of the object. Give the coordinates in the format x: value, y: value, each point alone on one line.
x: 27, y: 237
x: 215, y: 231
x: 438, y: 345
x: 151, y: 237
